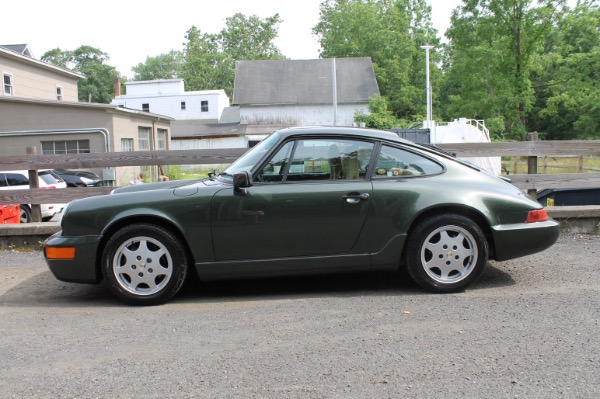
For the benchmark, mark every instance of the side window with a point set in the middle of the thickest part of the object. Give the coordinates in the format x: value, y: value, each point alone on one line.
x: 3, y: 180
x: 272, y: 172
x: 8, y: 84
x: 394, y: 162
x: 16, y: 179
x: 329, y: 159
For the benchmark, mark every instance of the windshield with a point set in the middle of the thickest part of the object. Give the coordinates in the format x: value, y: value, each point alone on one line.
x: 251, y: 158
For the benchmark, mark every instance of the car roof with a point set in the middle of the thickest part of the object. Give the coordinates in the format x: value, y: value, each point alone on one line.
x: 347, y: 131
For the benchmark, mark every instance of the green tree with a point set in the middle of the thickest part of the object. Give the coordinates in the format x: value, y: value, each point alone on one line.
x: 98, y: 85
x: 494, y: 45
x: 567, y: 77
x: 390, y: 32
x: 163, y: 66
x: 207, y: 61
x: 379, y: 117
x: 204, y: 63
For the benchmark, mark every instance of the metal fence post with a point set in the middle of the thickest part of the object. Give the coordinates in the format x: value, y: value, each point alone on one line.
x: 532, y: 164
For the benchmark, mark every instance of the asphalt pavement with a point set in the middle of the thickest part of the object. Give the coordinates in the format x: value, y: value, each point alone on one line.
x: 529, y: 328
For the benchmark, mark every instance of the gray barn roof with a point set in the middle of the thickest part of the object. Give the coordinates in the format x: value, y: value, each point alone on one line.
x: 304, y: 81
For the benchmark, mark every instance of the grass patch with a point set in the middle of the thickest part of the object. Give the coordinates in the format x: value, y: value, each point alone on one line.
x: 554, y: 165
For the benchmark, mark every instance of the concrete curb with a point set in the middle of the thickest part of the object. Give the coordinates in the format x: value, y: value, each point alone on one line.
x: 572, y: 219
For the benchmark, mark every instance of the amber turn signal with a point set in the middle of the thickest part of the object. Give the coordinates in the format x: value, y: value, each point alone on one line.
x: 539, y: 215
x: 60, y: 252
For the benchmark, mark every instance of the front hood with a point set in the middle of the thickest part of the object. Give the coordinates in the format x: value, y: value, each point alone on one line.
x: 160, y: 185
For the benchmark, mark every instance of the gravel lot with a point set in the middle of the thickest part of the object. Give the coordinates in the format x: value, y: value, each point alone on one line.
x: 529, y: 328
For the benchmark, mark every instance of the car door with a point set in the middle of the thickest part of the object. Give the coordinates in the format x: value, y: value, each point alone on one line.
x: 310, y: 199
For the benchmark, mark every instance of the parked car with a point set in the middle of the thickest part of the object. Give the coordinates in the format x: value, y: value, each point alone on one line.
x: 79, y: 178
x: 10, y: 214
x: 304, y: 200
x: 19, y: 180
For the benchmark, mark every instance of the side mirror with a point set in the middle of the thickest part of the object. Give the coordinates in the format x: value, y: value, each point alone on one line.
x: 241, y: 181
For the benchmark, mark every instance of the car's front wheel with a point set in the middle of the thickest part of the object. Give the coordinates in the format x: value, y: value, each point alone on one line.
x: 446, y: 253
x: 144, y: 264
x: 25, y: 214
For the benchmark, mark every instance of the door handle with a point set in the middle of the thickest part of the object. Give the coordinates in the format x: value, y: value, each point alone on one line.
x: 355, y: 198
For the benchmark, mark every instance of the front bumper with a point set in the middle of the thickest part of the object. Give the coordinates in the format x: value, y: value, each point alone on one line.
x: 84, y: 267
x: 516, y: 240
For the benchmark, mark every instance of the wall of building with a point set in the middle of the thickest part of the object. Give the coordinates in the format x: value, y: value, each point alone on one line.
x: 31, y: 116
x: 165, y: 97
x: 301, y: 115
x: 30, y: 81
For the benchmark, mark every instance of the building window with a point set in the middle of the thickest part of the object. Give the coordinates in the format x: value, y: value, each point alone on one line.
x: 204, y: 106
x: 183, y: 105
x: 126, y: 145
x: 161, y: 138
x: 146, y: 107
x: 144, y: 138
x: 8, y: 85
x: 59, y: 96
x: 66, y: 147
x: 252, y: 143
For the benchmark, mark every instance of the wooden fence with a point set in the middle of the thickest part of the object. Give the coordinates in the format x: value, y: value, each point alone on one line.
x: 531, y: 181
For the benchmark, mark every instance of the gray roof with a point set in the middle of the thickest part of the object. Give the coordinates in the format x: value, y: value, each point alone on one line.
x: 194, y: 128
x: 19, y: 48
x: 230, y: 115
x: 304, y: 81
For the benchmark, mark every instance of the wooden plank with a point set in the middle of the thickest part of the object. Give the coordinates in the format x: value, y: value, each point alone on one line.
x: 46, y: 196
x: 562, y: 180
x: 524, y: 148
x: 112, y: 159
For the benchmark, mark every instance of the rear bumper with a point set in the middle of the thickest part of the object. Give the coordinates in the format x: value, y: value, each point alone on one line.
x: 516, y: 240
x: 84, y: 267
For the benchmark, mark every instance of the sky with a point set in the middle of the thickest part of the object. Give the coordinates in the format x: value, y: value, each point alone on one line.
x: 131, y: 30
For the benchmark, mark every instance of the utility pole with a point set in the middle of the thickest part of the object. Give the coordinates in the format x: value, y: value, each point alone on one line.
x: 428, y: 85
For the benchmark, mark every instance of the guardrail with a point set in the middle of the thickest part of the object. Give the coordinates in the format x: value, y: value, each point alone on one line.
x: 530, y: 181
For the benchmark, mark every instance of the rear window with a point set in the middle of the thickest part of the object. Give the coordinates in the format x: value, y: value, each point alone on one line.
x: 49, y: 177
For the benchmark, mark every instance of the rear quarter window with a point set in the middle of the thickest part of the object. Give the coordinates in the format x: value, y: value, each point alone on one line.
x: 16, y: 179
x: 396, y: 162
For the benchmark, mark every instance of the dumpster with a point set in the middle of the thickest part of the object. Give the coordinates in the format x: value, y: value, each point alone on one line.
x: 10, y: 214
x: 569, y: 196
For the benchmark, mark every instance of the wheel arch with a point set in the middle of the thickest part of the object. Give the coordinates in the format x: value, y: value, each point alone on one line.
x: 140, y: 219
x: 471, y: 213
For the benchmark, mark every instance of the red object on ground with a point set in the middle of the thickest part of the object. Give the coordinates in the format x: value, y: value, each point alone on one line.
x: 10, y: 214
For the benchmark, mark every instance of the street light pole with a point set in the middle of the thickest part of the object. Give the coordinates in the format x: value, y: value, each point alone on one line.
x: 428, y: 85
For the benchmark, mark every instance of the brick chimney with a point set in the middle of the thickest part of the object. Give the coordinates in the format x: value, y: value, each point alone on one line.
x: 117, y: 87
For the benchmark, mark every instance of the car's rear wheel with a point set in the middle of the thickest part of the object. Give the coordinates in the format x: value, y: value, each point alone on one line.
x: 446, y: 253
x: 144, y: 264
x: 25, y: 214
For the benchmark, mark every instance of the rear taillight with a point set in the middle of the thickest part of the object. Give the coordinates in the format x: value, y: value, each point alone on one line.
x: 539, y: 215
x: 49, y: 187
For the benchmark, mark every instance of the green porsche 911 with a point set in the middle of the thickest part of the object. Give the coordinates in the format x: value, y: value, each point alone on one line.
x: 304, y: 200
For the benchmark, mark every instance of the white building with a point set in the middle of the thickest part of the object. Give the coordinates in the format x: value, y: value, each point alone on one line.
x: 168, y: 97
x: 304, y: 92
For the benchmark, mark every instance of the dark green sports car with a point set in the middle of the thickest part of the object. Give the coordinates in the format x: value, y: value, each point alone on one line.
x: 304, y: 200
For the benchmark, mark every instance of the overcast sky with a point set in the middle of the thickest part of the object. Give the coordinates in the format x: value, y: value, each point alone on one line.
x: 130, y: 30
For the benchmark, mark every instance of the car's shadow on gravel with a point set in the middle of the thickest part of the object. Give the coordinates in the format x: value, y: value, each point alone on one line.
x: 44, y: 290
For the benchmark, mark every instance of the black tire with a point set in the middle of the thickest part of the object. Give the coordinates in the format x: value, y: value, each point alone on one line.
x: 144, y: 264
x: 25, y: 214
x: 446, y: 253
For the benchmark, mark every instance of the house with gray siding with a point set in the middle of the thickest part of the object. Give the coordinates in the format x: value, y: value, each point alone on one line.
x: 304, y: 92
x: 270, y: 95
